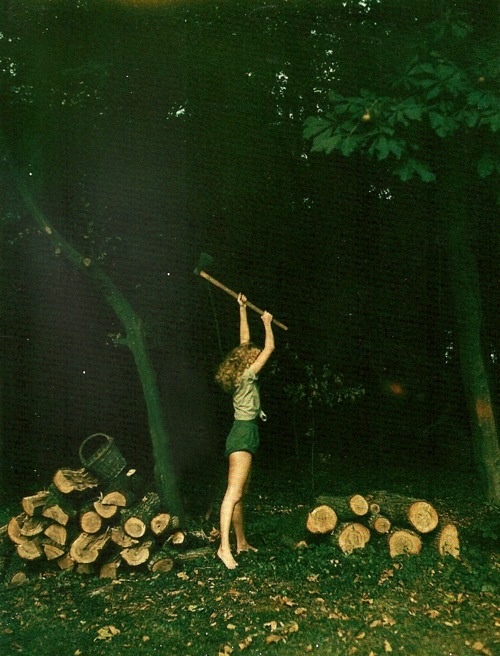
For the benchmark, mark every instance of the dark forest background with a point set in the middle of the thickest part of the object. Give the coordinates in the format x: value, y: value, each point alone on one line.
x: 154, y: 132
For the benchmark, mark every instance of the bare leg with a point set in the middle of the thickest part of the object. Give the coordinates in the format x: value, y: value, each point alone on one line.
x: 239, y: 524
x: 240, y: 464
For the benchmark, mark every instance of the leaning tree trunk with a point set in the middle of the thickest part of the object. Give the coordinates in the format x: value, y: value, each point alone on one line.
x: 136, y: 342
x: 464, y: 281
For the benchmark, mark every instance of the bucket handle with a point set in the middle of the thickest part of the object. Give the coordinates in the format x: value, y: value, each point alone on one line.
x: 87, y: 439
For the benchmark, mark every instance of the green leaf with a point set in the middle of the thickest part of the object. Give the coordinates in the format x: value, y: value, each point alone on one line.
x: 349, y: 144
x: 314, y: 125
x: 413, y: 112
x: 486, y: 165
x: 397, y: 146
x: 381, y: 145
x: 326, y: 143
x: 411, y: 167
x: 424, y: 172
x: 422, y: 68
x: 436, y: 120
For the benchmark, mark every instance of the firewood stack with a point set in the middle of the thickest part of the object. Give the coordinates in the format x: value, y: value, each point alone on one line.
x: 84, y: 524
x: 401, y: 523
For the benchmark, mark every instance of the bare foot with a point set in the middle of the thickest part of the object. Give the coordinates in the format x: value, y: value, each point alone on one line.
x: 245, y: 547
x: 227, y: 559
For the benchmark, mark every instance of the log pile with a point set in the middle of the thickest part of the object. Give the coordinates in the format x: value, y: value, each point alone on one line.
x: 85, y: 525
x: 402, y: 524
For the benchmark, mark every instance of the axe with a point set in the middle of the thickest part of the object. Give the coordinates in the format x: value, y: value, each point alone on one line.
x: 204, y: 262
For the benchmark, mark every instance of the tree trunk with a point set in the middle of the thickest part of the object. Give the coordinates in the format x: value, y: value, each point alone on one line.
x: 464, y: 281
x: 136, y: 341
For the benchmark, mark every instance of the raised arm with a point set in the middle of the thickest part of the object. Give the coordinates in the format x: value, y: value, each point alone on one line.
x: 264, y: 355
x: 244, y: 328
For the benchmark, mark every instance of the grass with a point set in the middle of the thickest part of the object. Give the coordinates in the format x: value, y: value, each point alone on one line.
x: 278, y: 601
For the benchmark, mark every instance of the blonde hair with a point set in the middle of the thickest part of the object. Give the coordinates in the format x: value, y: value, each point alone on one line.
x: 229, y: 373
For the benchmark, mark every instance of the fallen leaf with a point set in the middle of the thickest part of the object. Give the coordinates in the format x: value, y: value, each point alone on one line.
x: 387, y: 646
x: 225, y: 650
x: 107, y: 632
x: 274, y: 638
x: 291, y: 627
x: 245, y: 643
x: 272, y: 625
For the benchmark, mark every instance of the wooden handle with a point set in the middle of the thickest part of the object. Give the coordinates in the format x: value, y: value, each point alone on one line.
x: 232, y: 293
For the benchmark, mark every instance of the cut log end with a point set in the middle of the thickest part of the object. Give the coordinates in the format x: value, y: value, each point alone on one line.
x: 353, y: 536
x: 321, y: 520
x: 448, y: 542
x: 403, y: 542
x: 423, y: 516
x: 380, y: 524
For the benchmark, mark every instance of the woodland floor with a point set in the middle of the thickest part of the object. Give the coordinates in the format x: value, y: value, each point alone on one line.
x: 278, y: 601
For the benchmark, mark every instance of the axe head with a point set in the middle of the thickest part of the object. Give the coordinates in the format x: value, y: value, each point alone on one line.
x: 204, y: 262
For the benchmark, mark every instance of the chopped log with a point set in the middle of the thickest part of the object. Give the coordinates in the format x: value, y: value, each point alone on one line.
x: 74, y: 480
x: 161, y: 561
x: 31, y: 549
x: 447, y: 541
x: 88, y: 547
x: 177, y: 538
x: 404, y: 541
x: 352, y: 535
x: 160, y: 523
x: 14, y: 529
x: 109, y: 569
x: 105, y: 510
x: 380, y: 524
x: 346, y: 507
x: 136, y: 519
x: 90, y: 520
x: 119, y: 537
x: 32, y: 526
x: 193, y: 554
x: 32, y: 503
x: 57, y: 533
x: 52, y: 550
x: 66, y: 563
x: 138, y: 555
x: 321, y: 520
x: 57, y: 507
x: 120, y: 498
x: 417, y: 514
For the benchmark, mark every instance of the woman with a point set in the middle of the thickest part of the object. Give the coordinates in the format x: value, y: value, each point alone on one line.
x: 237, y: 375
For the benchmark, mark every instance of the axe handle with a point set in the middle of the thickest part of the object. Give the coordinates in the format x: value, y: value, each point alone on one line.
x: 232, y: 293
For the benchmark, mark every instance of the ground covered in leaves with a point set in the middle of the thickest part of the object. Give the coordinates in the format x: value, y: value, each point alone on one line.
x: 279, y: 601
